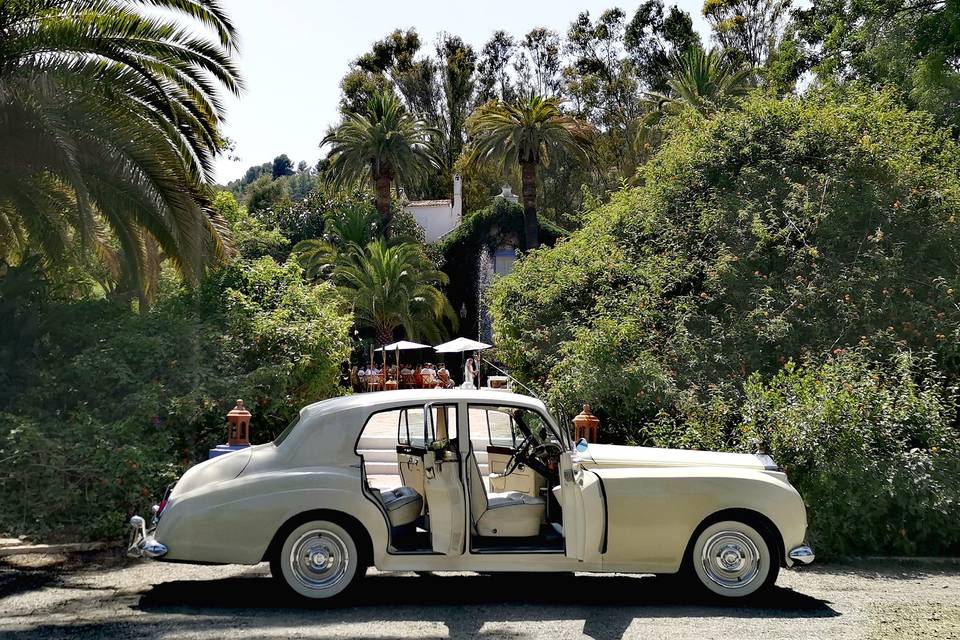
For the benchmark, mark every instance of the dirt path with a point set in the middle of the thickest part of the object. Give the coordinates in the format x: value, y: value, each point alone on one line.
x: 44, y: 598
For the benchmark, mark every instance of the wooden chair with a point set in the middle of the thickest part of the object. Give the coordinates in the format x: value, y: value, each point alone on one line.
x: 444, y: 381
x: 408, y: 381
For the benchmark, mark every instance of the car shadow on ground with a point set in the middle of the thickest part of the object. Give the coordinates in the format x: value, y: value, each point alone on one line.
x: 254, y: 605
x: 464, y: 603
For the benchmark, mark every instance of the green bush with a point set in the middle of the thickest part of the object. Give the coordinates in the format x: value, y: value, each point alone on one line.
x: 873, y: 448
x: 108, y: 406
x: 786, y: 229
x: 793, y: 230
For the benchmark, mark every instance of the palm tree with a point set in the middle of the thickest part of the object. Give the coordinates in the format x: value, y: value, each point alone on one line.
x: 394, y: 286
x: 704, y: 81
x: 529, y: 132
x: 346, y: 234
x: 110, y: 127
x: 384, y: 144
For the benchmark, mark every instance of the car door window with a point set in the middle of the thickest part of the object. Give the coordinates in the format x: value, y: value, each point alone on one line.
x: 410, y: 428
x: 440, y: 433
x: 501, y: 429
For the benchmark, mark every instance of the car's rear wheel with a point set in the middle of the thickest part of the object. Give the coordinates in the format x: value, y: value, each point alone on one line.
x: 318, y: 560
x: 733, y: 559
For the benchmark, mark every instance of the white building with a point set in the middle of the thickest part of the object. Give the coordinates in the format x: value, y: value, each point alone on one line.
x: 437, y: 218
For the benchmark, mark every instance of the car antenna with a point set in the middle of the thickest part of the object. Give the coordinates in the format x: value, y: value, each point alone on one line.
x: 564, y: 414
x: 517, y: 382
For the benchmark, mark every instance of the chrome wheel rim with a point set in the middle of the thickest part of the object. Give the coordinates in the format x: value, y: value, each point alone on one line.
x: 730, y: 559
x: 319, y: 559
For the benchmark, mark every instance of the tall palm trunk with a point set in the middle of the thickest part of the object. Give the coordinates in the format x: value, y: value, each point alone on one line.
x: 531, y: 228
x: 382, y: 184
x: 384, y: 335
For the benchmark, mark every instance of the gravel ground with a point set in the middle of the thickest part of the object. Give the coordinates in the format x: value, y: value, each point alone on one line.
x: 97, y: 596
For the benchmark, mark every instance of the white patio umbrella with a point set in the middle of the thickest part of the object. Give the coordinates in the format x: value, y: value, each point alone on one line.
x: 461, y: 345
x: 402, y: 345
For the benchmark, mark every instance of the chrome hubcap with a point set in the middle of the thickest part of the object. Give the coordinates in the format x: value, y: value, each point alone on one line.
x: 730, y: 559
x: 319, y: 559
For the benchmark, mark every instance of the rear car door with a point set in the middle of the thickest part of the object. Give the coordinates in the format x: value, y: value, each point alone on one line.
x: 445, y: 495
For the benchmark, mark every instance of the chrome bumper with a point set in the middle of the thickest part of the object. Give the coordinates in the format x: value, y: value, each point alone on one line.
x: 802, y: 555
x: 142, y: 543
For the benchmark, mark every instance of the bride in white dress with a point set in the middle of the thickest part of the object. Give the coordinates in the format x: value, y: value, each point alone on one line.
x: 469, y: 374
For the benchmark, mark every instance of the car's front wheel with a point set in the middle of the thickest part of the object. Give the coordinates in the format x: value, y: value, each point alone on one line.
x: 318, y: 560
x: 733, y: 559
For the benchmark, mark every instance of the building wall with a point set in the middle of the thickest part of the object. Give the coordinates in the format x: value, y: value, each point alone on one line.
x: 439, y: 217
x: 435, y: 220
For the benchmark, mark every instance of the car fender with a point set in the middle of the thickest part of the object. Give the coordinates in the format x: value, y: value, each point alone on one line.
x: 233, y: 522
x: 653, y: 512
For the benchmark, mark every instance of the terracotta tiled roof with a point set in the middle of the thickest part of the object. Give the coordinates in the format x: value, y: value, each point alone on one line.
x: 430, y: 203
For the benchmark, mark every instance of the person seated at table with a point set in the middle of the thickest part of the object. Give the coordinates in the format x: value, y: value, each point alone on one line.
x: 406, y: 370
x: 428, y: 376
x: 443, y: 377
x: 418, y: 376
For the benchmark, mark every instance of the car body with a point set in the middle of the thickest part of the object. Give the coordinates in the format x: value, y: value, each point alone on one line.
x: 306, y: 504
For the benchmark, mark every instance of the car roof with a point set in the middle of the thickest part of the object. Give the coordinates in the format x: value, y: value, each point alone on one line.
x: 376, y: 399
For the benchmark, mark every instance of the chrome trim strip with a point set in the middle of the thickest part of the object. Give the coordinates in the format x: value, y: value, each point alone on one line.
x: 802, y: 554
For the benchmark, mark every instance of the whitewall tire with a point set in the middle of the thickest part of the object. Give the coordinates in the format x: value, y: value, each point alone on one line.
x: 318, y: 560
x: 733, y: 559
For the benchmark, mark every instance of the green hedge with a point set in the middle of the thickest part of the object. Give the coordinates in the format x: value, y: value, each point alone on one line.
x: 107, y: 406
x: 872, y: 446
x: 788, y: 230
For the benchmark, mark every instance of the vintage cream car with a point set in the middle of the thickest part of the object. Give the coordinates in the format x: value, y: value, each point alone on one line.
x: 307, y: 503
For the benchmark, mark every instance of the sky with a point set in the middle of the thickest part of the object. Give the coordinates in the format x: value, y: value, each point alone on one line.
x: 293, y: 54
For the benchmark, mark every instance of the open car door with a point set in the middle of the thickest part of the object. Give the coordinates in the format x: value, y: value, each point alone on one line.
x: 445, y: 496
x: 584, y: 511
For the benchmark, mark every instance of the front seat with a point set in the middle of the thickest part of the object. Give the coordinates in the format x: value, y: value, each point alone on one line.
x: 504, y: 515
x: 403, y: 505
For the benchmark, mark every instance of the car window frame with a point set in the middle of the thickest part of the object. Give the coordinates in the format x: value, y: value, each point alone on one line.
x: 544, y: 417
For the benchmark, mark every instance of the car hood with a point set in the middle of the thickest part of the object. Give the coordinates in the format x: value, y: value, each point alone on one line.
x: 609, y: 455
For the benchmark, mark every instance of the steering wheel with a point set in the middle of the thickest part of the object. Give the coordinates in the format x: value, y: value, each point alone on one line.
x: 519, y: 456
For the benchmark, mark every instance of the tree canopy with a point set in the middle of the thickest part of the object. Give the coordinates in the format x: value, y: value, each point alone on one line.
x: 111, y: 124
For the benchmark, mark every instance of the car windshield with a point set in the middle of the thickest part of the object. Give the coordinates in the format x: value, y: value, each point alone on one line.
x: 286, y: 432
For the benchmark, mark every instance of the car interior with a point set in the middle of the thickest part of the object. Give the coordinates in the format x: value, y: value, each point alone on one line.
x: 515, y: 508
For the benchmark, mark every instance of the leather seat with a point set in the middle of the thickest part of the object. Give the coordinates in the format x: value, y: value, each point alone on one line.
x: 403, y: 505
x: 503, y: 515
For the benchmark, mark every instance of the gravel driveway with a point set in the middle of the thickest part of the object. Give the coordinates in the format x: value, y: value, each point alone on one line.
x: 99, y: 597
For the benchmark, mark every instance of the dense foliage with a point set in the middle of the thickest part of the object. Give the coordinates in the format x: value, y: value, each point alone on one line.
x: 110, y: 124
x: 873, y: 447
x: 500, y: 224
x: 100, y: 407
x: 786, y: 230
